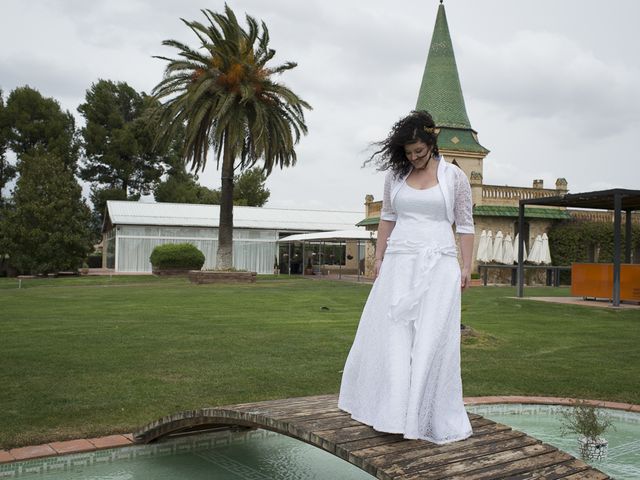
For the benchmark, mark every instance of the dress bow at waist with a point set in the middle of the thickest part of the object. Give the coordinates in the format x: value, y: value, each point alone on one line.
x: 406, y: 308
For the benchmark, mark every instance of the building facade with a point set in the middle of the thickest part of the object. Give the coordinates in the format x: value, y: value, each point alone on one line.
x: 133, y: 229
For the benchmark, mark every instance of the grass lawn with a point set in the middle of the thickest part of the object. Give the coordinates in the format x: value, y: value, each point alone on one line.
x: 92, y: 356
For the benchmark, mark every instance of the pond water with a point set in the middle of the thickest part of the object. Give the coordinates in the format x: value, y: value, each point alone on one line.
x: 262, y: 454
x: 223, y: 455
x: 544, y: 421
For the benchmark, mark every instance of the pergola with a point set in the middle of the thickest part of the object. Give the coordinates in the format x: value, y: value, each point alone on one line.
x: 338, y: 236
x: 617, y: 199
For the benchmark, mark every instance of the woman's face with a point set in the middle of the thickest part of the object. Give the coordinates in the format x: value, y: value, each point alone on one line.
x: 418, y: 153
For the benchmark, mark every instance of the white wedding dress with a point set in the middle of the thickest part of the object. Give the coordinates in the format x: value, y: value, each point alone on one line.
x: 402, y: 374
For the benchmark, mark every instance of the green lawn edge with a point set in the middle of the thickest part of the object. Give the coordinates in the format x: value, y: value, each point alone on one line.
x: 91, y: 356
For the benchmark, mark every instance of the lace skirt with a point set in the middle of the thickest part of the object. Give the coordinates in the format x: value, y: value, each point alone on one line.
x: 402, y: 374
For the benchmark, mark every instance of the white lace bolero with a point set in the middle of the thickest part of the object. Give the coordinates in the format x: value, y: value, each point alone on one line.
x: 455, y: 189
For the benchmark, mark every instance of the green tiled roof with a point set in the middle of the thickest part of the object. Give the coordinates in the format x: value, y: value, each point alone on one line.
x: 459, y: 140
x: 441, y: 94
x: 498, y: 211
x: 506, y: 211
x: 368, y: 221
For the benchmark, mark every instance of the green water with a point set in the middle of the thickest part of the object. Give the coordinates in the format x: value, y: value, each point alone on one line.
x: 543, y: 422
x: 264, y: 455
x: 223, y: 455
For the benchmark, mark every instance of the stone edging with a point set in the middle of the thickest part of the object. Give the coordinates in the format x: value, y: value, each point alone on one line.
x: 628, y: 407
x: 114, y: 441
x: 64, y: 448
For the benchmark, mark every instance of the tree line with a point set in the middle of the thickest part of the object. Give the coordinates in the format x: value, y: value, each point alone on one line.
x: 45, y: 224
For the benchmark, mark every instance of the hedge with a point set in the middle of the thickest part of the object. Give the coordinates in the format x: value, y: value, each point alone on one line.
x: 576, y: 241
x: 177, y: 255
x: 95, y: 260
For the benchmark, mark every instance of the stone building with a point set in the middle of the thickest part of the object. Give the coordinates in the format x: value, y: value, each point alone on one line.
x: 495, y: 207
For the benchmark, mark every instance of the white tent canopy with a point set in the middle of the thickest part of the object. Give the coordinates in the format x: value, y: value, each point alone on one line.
x: 334, y: 236
x: 133, y: 229
x: 192, y: 215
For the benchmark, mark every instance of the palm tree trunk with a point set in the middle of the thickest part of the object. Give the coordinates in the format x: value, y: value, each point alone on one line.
x: 224, y: 256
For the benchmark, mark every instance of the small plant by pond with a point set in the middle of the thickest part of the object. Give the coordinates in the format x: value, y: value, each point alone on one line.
x: 587, y: 421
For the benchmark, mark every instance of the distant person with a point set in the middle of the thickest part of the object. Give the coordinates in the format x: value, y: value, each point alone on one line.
x: 402, y: 374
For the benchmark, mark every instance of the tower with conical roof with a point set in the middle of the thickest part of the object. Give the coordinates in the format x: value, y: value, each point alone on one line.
x: 441, y: 95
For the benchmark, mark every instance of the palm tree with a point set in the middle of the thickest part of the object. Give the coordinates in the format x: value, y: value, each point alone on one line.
x: 225, y: 97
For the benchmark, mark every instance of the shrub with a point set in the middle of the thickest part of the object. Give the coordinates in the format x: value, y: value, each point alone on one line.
x: 575, y: 241
x: 177, y: 255
x: 95, y: 260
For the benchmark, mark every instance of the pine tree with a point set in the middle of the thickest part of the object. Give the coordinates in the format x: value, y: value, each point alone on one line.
x: 7, y: 170
x: 33, y: 122
x: 47, y: 225
x: 118, y: 139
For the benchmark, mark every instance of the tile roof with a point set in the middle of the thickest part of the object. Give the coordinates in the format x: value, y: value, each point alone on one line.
x: 459, y: 140
x: 497, y: 211
x: 441, y: 93
x: 507, y: 211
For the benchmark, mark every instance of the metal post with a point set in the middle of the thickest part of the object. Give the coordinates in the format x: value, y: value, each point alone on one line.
x: 520, y: 250
x: 358, y: 258
x: 115, y: 264
x: 627, y: 237
x: 617, y: 221
x: 289, y: 261
x: 304, y: 259
x: 340, y: 259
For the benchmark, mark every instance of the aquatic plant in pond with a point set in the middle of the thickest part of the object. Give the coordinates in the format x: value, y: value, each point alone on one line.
x: 585, y: 420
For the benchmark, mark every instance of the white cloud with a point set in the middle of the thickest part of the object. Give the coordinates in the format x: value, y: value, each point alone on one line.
x: 550, y: 95
x: 547, y: 75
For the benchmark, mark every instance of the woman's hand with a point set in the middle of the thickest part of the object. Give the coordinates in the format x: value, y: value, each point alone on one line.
x: 465, y: 278
x: 376, y: 268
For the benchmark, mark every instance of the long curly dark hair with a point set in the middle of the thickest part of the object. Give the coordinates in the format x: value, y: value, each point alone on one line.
x: 418, y: 125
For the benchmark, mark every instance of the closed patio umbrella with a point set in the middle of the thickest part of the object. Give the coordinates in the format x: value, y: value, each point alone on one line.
x: 482, y: 247
x: 535, y: 255
x: 497, y: 248
x: 515, y: 249
x: 507, y: 247
x: 545, y: 253
x: 488, y: 251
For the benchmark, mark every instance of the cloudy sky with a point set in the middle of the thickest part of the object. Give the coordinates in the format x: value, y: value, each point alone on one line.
x: 552, y: 87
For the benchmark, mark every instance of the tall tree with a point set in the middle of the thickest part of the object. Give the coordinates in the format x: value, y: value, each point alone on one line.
x: 225, y: 96
x: 99, y: 198
x: 118, y: 139
x: 7, y: 170
x: 183, y: 187
x: 46, y: 228
x: 35, y: 122
x: 249, y: 188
